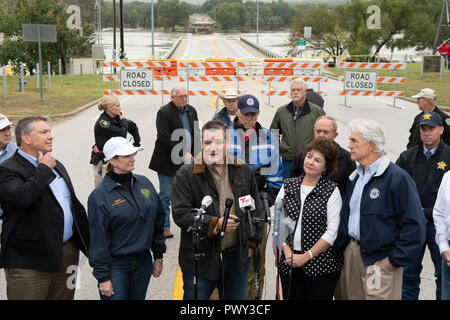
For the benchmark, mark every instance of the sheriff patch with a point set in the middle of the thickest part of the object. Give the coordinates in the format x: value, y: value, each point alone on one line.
x: 104, y: 123
x: 145, y: 192
x: 441, y: 165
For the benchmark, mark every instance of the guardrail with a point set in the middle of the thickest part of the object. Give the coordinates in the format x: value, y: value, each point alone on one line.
x: 172, y: 49
x: 261, y: 49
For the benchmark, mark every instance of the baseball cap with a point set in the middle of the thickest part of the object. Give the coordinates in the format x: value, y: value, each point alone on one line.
x: 248, y: 103
x: 4, y: 122
x: 118, y: 146
x: 230, y: 93
x: 425, y: 93
x: 431, y: 119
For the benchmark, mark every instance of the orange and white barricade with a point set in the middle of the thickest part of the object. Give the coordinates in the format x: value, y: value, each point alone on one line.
x: 372, y: 65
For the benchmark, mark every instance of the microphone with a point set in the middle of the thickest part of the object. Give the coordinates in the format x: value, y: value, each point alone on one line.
x: 228, y: 204
x: 206, y: 202
x: 247, y: 204
x: 263, y: 196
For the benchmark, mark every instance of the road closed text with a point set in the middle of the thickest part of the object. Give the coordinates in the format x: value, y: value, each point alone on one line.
x: 360, y: 81
x: 135, y: 79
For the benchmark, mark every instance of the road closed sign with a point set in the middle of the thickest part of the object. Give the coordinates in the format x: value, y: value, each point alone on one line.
x: 360, y: 80
x: 135, y: 79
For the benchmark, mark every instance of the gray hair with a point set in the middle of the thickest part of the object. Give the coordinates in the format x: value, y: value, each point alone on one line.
x: 370, y: 130
x: 25, y: 126
x: 173, y: 92
x: 298, y: 80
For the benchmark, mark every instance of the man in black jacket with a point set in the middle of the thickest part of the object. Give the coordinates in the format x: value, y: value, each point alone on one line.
x: 177, y: 142
x: 44, y: 224
x: 326, y: 127
x: 221, y: 177
x: 426, y: 163
x: 425, y: 100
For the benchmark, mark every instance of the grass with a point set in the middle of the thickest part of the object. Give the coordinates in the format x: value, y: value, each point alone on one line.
x: 414, y: 82
x: 74, y: 91
x: 60, y: 97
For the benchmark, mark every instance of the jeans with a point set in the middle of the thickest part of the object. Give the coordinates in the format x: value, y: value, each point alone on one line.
x: 235, y: 281
x: 411, y: 273
x: 445, y: 293
x: 130, y: 277
x: 287, y: 166
x: 165, y: 193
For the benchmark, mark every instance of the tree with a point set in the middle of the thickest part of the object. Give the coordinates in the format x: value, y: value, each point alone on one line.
x: 329, y: 25
x: 172, y: 13
x: 403, y: 23
x: 227, y: 16
x: 20, y: 12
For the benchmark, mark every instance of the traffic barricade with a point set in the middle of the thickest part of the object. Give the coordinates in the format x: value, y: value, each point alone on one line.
x: 279, y: 67
x: 364, y: 83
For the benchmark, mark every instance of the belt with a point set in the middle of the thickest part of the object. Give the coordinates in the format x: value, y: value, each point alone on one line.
x: 356, y: 240
x: 230, y: 250
x: 132, y: 256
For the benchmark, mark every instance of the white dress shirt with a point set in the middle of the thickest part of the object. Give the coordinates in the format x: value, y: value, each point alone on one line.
x: 441, y: 214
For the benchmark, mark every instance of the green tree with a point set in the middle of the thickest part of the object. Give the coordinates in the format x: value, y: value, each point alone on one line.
x: 172, y: 13
x: 403, y: 23
x: 227, y: 16
x: 18, y: 52
x: 328, y: 25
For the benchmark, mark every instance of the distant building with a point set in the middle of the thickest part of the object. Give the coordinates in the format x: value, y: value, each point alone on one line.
x: 201, y: 24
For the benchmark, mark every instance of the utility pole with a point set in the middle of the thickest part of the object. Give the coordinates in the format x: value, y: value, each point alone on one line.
x: 441, y: 25
x: 98, y: 20
x: 122, y: 45
x: 257, y: 21
x: 114, y: 31
x: 153, y: 34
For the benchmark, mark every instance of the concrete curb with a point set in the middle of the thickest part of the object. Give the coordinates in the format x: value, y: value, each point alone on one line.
x: 61, y: 116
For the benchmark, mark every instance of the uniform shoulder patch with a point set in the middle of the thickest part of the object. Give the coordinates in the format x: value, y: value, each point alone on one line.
x: 104, y: 123
x: 145, y: 192
x: 447, y: 121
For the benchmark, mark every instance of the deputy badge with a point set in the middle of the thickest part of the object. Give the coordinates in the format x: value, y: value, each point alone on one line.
x: 374, y: 193
x: 426, y: 116
x: 441, y: 165
x: 145, y: 192
x: 105, y: 123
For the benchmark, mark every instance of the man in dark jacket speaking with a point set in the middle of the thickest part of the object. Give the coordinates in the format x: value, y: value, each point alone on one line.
x: 177, y: 142
x: 44, y: 224
x: 221, y: 177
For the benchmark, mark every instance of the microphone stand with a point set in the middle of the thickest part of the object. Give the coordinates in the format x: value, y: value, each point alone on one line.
x: 257, y: 253
x: 195, y: 229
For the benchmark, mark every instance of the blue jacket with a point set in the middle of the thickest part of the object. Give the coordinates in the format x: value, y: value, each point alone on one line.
x: 261, y: 154
x: 223, y: 116
x: 392, y: 223
x: 120, y: 227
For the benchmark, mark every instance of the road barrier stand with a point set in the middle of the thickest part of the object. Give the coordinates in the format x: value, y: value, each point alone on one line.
x: 364, y: 83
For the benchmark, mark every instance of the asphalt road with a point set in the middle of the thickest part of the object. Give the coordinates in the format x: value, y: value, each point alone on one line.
x: 73, y: 139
